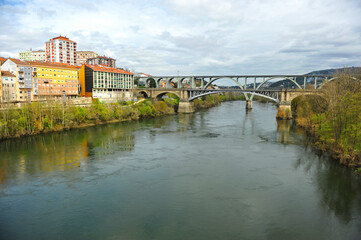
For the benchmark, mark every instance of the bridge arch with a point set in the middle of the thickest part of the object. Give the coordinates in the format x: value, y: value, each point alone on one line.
x: 144, y: 94
x: 191, y: 99
x: 160, y: 95
x: 285, y: 78
x: 151, y: 82
x: 332, y: 79
x: 215, y: 79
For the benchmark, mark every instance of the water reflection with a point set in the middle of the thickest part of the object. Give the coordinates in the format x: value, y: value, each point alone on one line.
x: 338, y: 187
x: 176, y: 177
x: 63, y: 151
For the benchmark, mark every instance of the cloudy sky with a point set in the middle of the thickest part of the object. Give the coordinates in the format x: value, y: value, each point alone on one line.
x: 194, y: 36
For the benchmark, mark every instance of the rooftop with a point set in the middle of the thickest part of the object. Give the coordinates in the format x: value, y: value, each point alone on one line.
x: 101, y: 68
x: 62, y: 38
x: 102, y: 57
x: 53, y: 64
x: 7, y: 74
x: 19, y: 62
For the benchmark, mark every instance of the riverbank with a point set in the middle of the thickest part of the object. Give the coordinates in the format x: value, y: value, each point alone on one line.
x: 333, y: 119
x: 51, y: 117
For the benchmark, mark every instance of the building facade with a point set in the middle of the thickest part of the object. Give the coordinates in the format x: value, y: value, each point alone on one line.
x: 38, y: 55
x: 83, y: 56
x: 61, y: 49
x: 9, y: 88
x: 105, y: 83
x: 21, y: 90
x: 102, y: 60
x: 1, y: 86
x: 55, y: 80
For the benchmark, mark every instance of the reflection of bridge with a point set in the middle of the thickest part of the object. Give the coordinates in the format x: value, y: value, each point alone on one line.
x: 249, y: 85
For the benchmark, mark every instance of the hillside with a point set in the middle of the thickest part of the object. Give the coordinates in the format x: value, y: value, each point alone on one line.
x: 299, y: 80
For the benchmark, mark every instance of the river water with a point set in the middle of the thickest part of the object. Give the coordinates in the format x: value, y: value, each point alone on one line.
x: 223, y: 173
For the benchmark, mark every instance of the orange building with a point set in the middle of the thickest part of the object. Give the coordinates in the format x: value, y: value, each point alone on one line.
x: 105, y: 82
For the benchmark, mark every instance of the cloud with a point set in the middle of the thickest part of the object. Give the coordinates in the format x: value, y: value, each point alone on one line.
x: 194, y: 36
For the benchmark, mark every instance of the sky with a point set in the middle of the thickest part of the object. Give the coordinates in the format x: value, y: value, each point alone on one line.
x: 194, y: 37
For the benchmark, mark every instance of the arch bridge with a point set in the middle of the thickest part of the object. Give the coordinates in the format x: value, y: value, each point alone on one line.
x: 189, y: 88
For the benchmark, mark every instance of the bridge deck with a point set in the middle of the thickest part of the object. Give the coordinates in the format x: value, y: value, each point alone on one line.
x: 242, y: 76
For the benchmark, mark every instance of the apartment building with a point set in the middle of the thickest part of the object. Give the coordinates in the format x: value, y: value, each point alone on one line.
x: 61, y: 49
x: 9, y: 88
x: 21, y: 90
x: 83, y: 56
x: 55, y: 80
x: 38, y: 55
x: 105, y: 83
x: 102, y: 60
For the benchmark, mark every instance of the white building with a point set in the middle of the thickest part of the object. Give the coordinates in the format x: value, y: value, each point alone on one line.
x: 33, y: 55
x: 20, y: 88
x: 61, y: 49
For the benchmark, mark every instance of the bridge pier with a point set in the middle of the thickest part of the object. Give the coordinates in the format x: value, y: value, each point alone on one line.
x: 284, y: 111
x: 248, y: 104
x: 185, y: 106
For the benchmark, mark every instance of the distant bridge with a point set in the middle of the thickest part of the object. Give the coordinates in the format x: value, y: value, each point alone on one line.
x: 242, y: 81
x: 249, y: 85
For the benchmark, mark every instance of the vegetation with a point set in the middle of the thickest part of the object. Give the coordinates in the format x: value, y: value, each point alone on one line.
x: 40, y: 117
x: 334, y: 118
x: 213, y: 100
x: 47, y: 117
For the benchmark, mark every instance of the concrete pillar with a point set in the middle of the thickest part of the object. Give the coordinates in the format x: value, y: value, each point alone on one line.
x: 185, y: 106
x: 193, y: 83
x: 315, y: 82
x: 284, y: 111
x: 304, y: 82
x: 248, y: 104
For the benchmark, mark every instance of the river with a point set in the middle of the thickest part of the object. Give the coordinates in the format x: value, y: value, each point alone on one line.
x: 223, y: 173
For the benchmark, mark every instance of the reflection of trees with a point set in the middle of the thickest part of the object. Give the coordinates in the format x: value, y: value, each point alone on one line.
x: 62, y: 151
x: 338, y: 186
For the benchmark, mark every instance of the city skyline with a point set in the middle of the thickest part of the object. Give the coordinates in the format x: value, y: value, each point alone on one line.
x: 194, y: 37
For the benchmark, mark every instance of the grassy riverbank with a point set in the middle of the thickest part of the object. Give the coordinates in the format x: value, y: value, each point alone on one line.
x: 333, y: 117
x: 49, y: 117
x: 41, y: 117
x: 213, y: 100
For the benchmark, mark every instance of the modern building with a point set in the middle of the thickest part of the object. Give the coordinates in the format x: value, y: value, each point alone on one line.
x: 38, y: 55
x: 61, y: 49
x: 105, y: 83
x: 102, y: 60
x: 55, y: 80
x: 82, y: 56
x: 21, y: 90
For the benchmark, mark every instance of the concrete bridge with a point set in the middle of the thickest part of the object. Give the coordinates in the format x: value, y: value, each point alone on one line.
x: 187, y: 96
x: 242, y: 81
x: 249, y: 85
